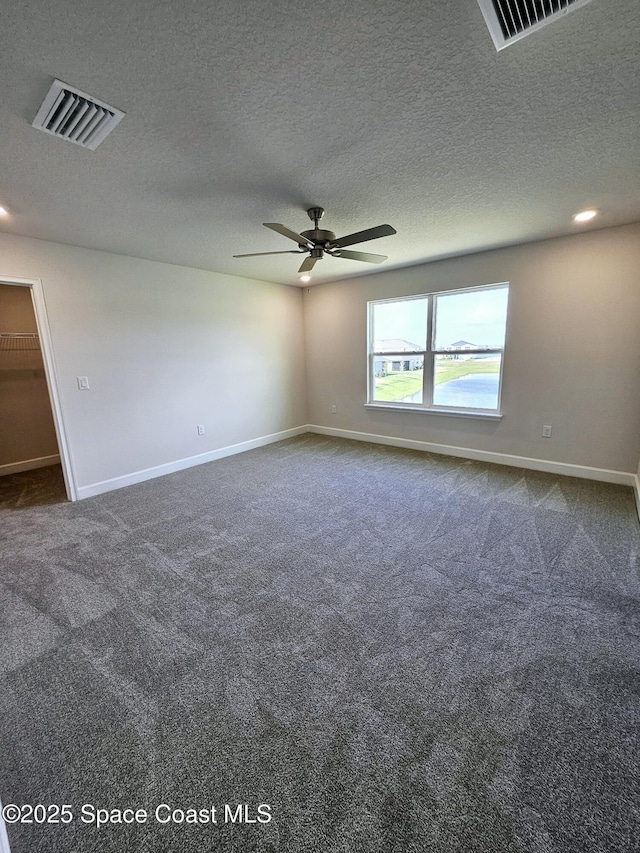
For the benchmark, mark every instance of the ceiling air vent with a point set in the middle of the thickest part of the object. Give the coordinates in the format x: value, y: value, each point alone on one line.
x: 72, y: 115
x: 510, y: 20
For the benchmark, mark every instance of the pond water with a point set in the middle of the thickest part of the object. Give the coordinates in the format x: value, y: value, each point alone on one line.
x: 477, y: 391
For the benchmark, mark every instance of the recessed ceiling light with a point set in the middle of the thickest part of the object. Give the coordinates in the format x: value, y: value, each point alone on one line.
x: 4, y: 211
x: 585, y: 215
x: 305, y: 278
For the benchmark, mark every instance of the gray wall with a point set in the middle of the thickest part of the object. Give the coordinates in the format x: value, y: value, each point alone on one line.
x: 26, y: 423
x: 572, y: 354
x: 168, y: 347
x: 165, y: 348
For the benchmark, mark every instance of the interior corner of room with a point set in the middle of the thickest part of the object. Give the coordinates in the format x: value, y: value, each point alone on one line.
x: 165, y: 349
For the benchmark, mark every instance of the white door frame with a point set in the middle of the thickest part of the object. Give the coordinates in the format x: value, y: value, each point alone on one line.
x: 4, y: 841
x: 42, y: 323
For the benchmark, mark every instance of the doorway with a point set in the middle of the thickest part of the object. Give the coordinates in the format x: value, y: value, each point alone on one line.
x: 32, y: 434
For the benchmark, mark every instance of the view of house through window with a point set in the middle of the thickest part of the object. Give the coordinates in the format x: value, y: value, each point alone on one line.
x: 440, y: 351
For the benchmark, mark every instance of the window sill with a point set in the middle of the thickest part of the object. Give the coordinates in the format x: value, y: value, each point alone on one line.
x: 451, y: 413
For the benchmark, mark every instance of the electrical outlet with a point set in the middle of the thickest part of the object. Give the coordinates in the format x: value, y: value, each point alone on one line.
x: 200, y: 429
x: 334, y: 409
x: 546, y: 431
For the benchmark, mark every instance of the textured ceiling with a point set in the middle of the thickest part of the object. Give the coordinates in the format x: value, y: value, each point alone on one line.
x: 382, y: 112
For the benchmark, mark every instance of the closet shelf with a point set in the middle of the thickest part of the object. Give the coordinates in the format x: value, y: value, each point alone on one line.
x: 18, y: 341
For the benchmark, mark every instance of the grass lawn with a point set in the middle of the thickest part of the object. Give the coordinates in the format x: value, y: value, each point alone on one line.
x: 450, y: 369
x: 396, y: 386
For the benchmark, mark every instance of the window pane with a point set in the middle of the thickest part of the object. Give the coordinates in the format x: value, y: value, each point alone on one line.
x: 398, y: 379
x: 470, y: 382
x: 400, y: 326
x: 473, y: 320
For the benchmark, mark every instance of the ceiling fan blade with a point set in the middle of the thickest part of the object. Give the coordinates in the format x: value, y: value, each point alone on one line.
x: 287, y: 232
x: 363, y: 236
x: 285, y: 252
x: 308, y: 264
x: 359, y: 256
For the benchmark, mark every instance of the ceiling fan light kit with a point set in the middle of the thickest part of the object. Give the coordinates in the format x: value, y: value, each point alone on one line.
x: 319, y: 242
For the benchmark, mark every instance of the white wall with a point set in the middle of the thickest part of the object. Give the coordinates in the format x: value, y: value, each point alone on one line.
x: 165, y: 348
x: 572, y: 354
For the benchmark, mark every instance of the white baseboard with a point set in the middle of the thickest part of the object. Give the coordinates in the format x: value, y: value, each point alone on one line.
x: 623, y: 478
x: 28, y: 465
x: 181, y: 464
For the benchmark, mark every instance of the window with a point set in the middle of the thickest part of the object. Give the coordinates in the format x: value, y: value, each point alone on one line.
x: 441, y: 352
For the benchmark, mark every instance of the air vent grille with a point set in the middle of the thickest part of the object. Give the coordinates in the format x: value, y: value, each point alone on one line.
x: 510, y: 20
x: 72, y: 115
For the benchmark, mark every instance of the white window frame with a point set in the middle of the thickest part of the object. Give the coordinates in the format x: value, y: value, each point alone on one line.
x: 429, y: 354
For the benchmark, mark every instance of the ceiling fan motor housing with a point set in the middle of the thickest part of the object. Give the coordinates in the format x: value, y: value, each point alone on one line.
x: 319, y: 237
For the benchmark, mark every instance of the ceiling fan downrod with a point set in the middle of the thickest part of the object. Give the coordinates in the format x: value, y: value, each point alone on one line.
x: 315, y: 214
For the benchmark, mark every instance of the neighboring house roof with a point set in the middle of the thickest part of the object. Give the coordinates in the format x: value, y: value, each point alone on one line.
x: 466, y: 344
x: 395, y: 345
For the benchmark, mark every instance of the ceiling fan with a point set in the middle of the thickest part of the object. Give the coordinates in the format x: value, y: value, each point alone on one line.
x: 318, y: 243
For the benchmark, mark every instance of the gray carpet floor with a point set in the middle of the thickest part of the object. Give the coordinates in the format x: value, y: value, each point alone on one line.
x: 394, y: 651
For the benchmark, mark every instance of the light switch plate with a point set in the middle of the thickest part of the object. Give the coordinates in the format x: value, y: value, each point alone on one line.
x: 83, y: 383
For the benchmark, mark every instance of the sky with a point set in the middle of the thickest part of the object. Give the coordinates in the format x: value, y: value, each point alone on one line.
x: 478, y: 317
